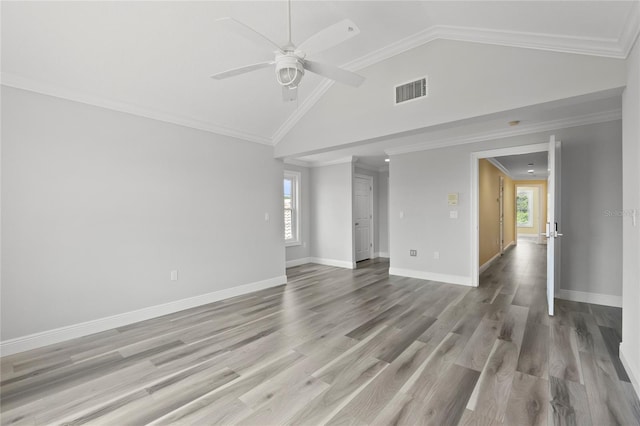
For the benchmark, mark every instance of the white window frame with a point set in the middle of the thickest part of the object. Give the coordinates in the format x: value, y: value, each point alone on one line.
x: 295, y: 178
x: 529, y: 193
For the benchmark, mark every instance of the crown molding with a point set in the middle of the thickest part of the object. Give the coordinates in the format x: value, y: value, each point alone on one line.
x: 617, y: 48
x: 367, y: 167
x: 599, y: 117
x: 19, y: 82
x: 498, y: 165
x: 295, y: 162
x: 342, y: 160
x: 631, y: 30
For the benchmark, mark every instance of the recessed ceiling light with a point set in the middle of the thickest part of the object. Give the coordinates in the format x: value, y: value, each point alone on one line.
x: 530, y: 171
x: 514, y: 123
x: 386, y: 160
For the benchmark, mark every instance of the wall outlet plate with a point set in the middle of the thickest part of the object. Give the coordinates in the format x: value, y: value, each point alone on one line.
x: 413, y: 252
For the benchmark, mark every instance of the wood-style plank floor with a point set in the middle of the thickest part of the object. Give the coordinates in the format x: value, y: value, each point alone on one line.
x: 340, y: 347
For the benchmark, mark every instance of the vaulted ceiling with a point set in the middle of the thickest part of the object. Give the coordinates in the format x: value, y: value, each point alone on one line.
x: 155, y: 59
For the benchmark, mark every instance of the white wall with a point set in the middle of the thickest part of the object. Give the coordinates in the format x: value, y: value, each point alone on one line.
x: 503, y: 78
x: 331, y: 212
x: 383, y: 214
x: 420, y: 182
x: 630, y: 347
x: 299, y: 254
x: 99, y: 206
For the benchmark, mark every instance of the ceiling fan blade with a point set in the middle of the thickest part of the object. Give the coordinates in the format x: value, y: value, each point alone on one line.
x: 247, y: 32
x: 334, y: 73
x: 237, y: 71
x: 289, y: 95
x: 329, y: 37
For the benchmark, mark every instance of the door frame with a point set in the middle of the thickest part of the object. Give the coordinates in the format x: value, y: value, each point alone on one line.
x: 371, y: 220
x: 475, y: 191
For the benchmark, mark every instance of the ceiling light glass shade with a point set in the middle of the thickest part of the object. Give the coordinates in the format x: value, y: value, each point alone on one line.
x: 289, y: 77
x: 289, y: 71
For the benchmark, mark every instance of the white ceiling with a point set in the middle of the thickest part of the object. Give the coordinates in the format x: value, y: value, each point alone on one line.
x: 517, y: 166
x: 155, y: 58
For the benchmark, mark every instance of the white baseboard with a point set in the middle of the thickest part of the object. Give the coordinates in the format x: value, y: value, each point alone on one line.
x: 633, y: 371
x: 49, y: 337
x: 432, y: 276
x: 381, y: 254
x: 298, y: 262
x: 595, y: 298
x: 334, y: 262
x: 488, y: 263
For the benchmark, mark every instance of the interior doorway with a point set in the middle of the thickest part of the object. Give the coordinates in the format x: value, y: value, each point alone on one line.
x: 363, y: 217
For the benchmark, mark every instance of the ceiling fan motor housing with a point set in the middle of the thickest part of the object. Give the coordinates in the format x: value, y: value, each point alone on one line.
x: 289, y: 70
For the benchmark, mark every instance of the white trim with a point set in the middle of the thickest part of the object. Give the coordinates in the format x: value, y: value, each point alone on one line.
x: 371, y: 212
x: 342, y: 160
x: 384, y: 254
x: 588, y: 297
x: 296, y: 178
x: 498, y: 165
x: 18, y: 82
x: 364, y: 166
x: 632, y: 371
x: 595, y: 118
x: 298, y: 262
x: 333, y: 262
x: 294, y: 162
x: 488, y: 263
x: 49, y: 337
x: 606, y: 47
x: 431, y: 276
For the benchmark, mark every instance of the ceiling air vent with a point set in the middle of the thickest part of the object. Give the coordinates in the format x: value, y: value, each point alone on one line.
x: 410, y: 91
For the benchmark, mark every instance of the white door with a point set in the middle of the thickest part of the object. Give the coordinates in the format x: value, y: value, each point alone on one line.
x: 552, y: 227
x: 363, y: 216
x: 501, y: 211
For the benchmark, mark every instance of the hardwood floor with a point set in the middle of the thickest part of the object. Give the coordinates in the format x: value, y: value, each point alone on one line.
x: 338, y: 347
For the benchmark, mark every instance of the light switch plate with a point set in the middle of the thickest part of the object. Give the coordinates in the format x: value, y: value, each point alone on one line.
x: 453, y: 214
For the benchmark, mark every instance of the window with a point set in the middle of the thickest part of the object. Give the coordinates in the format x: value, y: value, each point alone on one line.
x: 291, y: 208
x: 524, y: 201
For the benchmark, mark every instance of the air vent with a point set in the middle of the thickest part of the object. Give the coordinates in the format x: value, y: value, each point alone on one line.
x: 410, y: 91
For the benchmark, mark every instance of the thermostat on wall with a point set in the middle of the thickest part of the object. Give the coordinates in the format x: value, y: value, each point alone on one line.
x: 452, y: 198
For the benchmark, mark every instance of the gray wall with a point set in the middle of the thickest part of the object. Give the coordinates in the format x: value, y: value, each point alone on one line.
x: 302, y: 251
x: 630, y: 348
x: 420, y: 182
x: 331, y: 213
x: 592, y: 186
x: 100, y: 206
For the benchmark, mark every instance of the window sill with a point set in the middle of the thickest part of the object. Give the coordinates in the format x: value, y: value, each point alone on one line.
x: 292, y: 243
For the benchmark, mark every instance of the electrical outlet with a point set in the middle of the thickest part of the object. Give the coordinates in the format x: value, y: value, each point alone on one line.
x: 174, y: 275
x: 436, y: 255
x: 413, y: 252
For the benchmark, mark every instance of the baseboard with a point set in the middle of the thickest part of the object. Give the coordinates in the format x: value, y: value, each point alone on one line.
x: 488, y: 263
x: 381, y: 254
x: 298, y: 262
x: 632, y: 370
x: 334, y: 262
x: 595, y: 298
x: 432, y: 276
x: 49, y: 337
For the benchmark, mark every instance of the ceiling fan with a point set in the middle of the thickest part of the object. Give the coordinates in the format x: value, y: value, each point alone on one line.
x: 290, y: 61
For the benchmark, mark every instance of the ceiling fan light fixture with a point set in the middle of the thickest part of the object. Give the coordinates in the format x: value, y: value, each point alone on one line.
x: 289, y: 71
